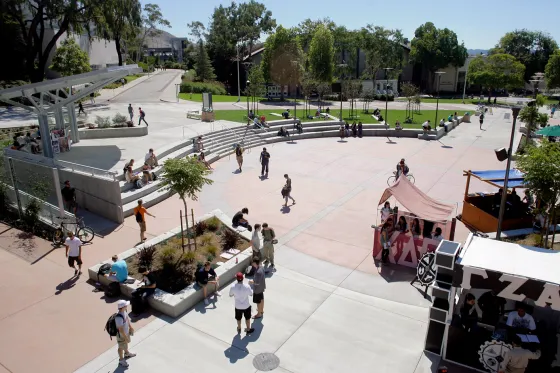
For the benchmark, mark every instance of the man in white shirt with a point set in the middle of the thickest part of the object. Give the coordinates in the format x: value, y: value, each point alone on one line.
x: 151, y: 159
x: 125, y: 330
x: 74, y: 252
x: 520, y: 319
x: 242, y: 292
x: 426, y: 126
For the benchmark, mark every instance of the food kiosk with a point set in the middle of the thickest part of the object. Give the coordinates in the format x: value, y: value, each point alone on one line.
x: 481, y: 209
x: 503, y: 277
x: 411, y: 227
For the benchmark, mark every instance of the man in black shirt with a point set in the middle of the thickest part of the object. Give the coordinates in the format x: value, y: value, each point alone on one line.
x: 239, y: 220
x: 206, y: 275
x: 264, y: 159
x: 149, y: 286
x: 492, y: 307
x: 69, y: 197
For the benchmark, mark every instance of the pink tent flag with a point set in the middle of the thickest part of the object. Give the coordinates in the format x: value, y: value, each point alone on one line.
x: 417, y: 202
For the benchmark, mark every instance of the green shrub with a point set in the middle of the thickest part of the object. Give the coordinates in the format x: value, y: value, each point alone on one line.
x: 215, y: 88
x: 144, y: 66
x: 382, y: 98
x: 213, y: 224
x: 212, y: 250
x: 189, y: 257
x: 206, y: 240
x: 168, y: 254
x: 102, y: 122
x: 119, y: 118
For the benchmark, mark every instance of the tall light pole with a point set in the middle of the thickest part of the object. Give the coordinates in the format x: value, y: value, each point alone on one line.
x: 238, y: 77
x: 341, y: 66
x: 387, y: 69
x: 465, y: 84
x: 515, y: 110
x: 247, y: 89
x: 439, y: 73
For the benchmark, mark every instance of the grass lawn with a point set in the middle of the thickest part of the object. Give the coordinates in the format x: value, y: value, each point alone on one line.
x: 240, y: 116
x: 398, y: 114
x: 129, y: 78
x: 197, y: 97
x: 451, y: 101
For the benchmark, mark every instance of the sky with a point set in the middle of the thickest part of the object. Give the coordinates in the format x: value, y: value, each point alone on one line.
x: 478, y: 23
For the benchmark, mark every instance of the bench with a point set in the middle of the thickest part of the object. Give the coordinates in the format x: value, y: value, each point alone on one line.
x: 194, y: 114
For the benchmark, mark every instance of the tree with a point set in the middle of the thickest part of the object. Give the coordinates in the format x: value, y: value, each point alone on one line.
x: 552, y: 71
x: 321, y: 55
x: 541, y: 165
x: 496, y: 71
x: 382, y: 48
x: 119, y: 18
x: 34, y: 17
x: 308, y: 87
x: 306, y: 29
x: 346, y: 46
x: 351, y: 90
x: 186, y: 177
x: 532, y: 48
x: 436, y: 48
x: 257, y: 86
x: 12, y: 68
x: 152, y: 21
x: 250, y: 20
x: 410, y: 91
x: 367, y: 97
x: 282, y: 61
x: 203, y: 66
x: 70, y: 59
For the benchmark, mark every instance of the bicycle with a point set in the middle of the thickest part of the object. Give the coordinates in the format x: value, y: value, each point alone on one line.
x: 393, y: 179
x: 83, y: 232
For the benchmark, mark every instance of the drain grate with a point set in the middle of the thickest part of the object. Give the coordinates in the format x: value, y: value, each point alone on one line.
x: 266, y: 362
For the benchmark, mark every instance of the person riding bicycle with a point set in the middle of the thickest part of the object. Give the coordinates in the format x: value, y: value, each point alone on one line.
x: 401, y: 168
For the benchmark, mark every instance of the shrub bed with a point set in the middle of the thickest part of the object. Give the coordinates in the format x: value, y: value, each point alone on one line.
x: 174, y: 268
x: 215, y: 88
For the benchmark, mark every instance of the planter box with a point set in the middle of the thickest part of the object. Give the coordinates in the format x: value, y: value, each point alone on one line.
x: 107, y: 133
x: 176, y: 304
x: 207, y: 116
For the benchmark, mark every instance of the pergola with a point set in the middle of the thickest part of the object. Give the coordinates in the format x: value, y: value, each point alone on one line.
x: 51, y: 97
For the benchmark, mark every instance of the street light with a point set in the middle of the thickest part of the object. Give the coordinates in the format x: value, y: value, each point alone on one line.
x: 465, y: 83
x: 247, y: 89
x: 386, y: 91
x: 439, y: 73
x: 341, y: 66
x: 515, y: 110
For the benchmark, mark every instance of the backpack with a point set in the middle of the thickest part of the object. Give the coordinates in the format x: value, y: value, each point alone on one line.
x: 154, y: 176
x: 103, y: 270
x: 138, y: 184
x: 138, y: 217
x: 142, y: 114
x: 111, y: 325
x: 113, y: 290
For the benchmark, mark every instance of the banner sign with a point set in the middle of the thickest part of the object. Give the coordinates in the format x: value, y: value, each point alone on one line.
x: 406, y: 249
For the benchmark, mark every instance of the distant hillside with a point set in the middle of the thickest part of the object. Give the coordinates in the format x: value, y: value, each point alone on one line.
x: 477, y: 51
x: 162, y: 40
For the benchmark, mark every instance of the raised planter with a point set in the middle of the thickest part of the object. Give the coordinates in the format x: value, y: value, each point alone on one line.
x: 207, y: 116
x: 107, y: 133
x: 176, y: 304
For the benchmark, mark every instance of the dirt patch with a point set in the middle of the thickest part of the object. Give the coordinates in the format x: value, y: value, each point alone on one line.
x: 533, y: 240
x: 173, y: 267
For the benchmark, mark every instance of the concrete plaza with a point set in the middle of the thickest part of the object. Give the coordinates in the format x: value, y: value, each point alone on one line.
x: 329, y: 308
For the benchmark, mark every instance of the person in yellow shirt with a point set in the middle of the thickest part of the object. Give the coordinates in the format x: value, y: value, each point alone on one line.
x: 140, y: 214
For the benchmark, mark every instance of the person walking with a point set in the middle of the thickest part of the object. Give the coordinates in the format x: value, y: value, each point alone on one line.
x: 130, y: 111
x: 140, y: 214
x: 92, y: 97
x: 81, y: 108
x: 264, y: 159
x: 142, y: 116
x: 481, y: 119
x: 256, y: 242
x: 125, y: 331
x: 69, y: 197
x: 259, y: 286
x: 241, y: 292
x: 239, y: 156
x: 74, y: 252
x: 287, y: 190
x: 269, y: 239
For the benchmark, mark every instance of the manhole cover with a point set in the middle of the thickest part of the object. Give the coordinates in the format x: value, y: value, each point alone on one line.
x: 266, y: 362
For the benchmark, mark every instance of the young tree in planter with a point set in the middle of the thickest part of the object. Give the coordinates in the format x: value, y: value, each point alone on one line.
x: 70, y: 59
x: 542, y: 177
x: 186, y: 177
x: 410, y: 91
x: 352, y: 89
x: 256, y: 88
x: 308, y: 87
x: 323, y: 89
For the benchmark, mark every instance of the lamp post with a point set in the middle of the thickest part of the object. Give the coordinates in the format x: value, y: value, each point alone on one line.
x: 515, y: 111
x: 247, y: 89
x: 387, y: 69
x: 238, y: 77
x: 465, y: 83
x: 341, y: 66
x: 177, y: 85
x: 537, y: 79
x: 439, y: 73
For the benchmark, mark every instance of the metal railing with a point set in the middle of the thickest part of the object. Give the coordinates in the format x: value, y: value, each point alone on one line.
x: 98, y: 172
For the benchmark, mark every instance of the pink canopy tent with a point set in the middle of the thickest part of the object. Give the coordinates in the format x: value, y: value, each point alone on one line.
x: 417, y: 202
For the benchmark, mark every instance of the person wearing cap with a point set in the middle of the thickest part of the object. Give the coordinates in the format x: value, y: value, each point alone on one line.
x: 74, y: 252
x: 264, y: 158
x: 242, y: 292
x: 140, y: 214
x: 125, y: 330
x: 119, y: 270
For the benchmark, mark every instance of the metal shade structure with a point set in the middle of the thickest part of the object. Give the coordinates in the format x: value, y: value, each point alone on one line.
x: 497, y: 177
x: 51, y: 97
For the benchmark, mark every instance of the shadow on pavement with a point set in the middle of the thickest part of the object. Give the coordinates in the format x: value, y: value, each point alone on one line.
x: 66, y: 285
x: 99, y: 156
x: 238, y: 349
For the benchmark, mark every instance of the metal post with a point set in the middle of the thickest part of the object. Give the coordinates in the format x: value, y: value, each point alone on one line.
x: 386, y: 97
x: 465, y: 84
x: 177, y: 85
x: 238, y: 75
x: 45, y: 135
x: 515, y: 111
x: 295, y: 103
x: 71, y: 109
x: 194, y: 229
x: 436, y: 123
x: 56, y: 180
x: 182, y: 232
x: 248, y: 120
x: 14, y: 184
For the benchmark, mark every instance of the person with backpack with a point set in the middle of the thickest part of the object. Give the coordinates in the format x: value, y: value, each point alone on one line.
x: 142, y: 117
x: 120, y: 325
x: 140, y: 214
x: 239, y: 156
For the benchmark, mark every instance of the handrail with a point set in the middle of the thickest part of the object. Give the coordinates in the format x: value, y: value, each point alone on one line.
x: 233, y: 133
x: 87, y: 169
